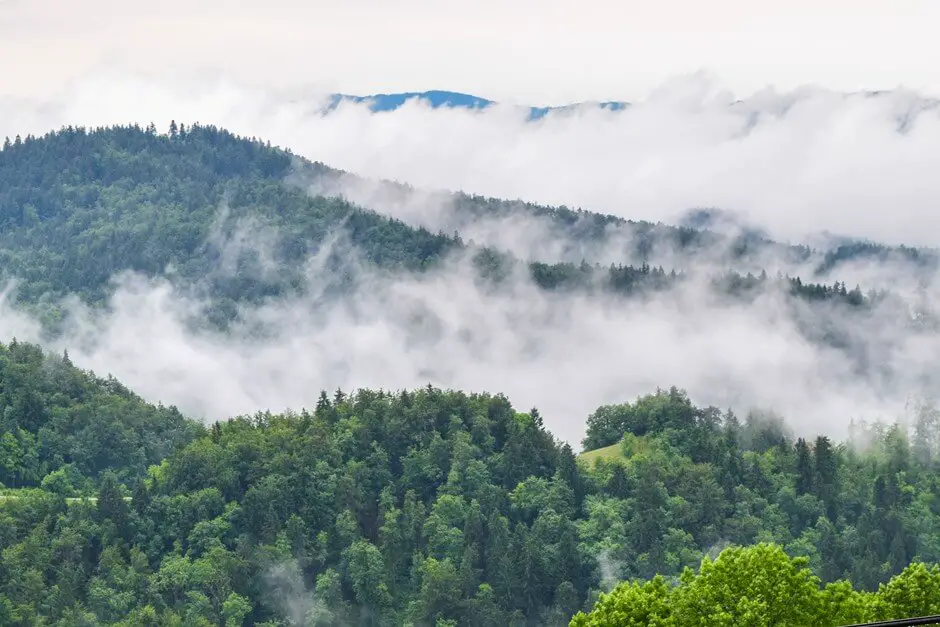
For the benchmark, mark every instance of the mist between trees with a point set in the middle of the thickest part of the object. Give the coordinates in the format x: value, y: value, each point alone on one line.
x: 218, y: 276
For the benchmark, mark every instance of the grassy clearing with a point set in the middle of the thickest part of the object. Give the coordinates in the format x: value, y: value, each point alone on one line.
x: 608, y: 452
x: 636, y: 445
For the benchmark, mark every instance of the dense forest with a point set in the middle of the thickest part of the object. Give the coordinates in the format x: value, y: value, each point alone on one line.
x: 420, y: 506
x: 437, y: 507
x: 78, y: 207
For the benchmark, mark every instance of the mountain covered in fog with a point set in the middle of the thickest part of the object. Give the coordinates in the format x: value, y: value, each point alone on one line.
x: 755, y: 108
x: 78, y: 206
x: 407, y: 504
x: 449, y: 99
x: 233, y: 223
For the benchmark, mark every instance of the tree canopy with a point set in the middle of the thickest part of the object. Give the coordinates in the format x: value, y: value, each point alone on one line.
x: 78, y: 207
x: 417, y: 506
x: 432, y: 507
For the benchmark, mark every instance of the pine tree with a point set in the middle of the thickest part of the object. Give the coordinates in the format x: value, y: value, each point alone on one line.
x: 111, y: 505
x: 825, y: 478
x: 804, y: 468
x: 569, y: 472
x: 537, y: 418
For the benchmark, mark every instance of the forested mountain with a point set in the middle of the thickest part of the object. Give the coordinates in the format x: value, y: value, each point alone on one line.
x: 425, y: 506
x: 450, y: 99
x: 59, y: 422
x: 434, y: 507
x: 231, y: 222
x: 78, y: 207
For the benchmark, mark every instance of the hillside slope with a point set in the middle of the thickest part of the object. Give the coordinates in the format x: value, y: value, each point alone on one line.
x: 234, y: 215
x: 78, y: 207
x: 232, y: 222
x: 434, y: 507
x: 59, y: 420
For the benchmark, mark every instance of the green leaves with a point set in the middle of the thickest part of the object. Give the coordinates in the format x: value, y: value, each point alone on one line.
x: 438, y: 507
x: 914, y: 592
x: 761, y: 586
x: 758, y: 586
x: 365, y: 571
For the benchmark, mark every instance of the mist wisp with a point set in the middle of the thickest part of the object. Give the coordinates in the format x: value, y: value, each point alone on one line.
x: 565, y: 353
x: 796, y: 163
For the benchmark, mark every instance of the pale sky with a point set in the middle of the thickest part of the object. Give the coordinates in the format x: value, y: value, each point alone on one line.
x: 526, y: 51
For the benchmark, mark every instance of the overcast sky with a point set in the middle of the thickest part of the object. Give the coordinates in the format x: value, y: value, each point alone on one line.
x: 545, y: 51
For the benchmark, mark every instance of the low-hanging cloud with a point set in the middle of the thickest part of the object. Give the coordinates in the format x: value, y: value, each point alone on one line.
x: 795, y: 163
x: 564, y: 353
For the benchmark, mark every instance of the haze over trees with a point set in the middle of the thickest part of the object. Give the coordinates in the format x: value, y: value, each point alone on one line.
x: 78, y: 206
x: 422, y: 506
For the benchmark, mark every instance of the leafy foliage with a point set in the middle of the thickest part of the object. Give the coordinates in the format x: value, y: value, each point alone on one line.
x: 762, y: 586
x: 207, y: 208
x: 432, y: 507
x: 61, y: 426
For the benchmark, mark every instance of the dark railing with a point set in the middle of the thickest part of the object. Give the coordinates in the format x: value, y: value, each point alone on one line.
x: 903, y: 622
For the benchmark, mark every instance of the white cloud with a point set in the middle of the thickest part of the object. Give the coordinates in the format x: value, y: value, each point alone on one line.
x: 563, y: 354
x: 794, y: 162
x: 549, y: 51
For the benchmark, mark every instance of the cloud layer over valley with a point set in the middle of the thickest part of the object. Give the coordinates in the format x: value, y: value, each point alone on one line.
x: 794, y: 164
x: 564, y: 353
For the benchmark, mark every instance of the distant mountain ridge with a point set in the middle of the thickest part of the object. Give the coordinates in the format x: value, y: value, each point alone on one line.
x: 455, y: 100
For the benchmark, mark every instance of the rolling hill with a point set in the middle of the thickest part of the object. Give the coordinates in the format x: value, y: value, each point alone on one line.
x: 79, y: 206
x: 436, y: 507
x: 235, y: 223
x: 414, y: 506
